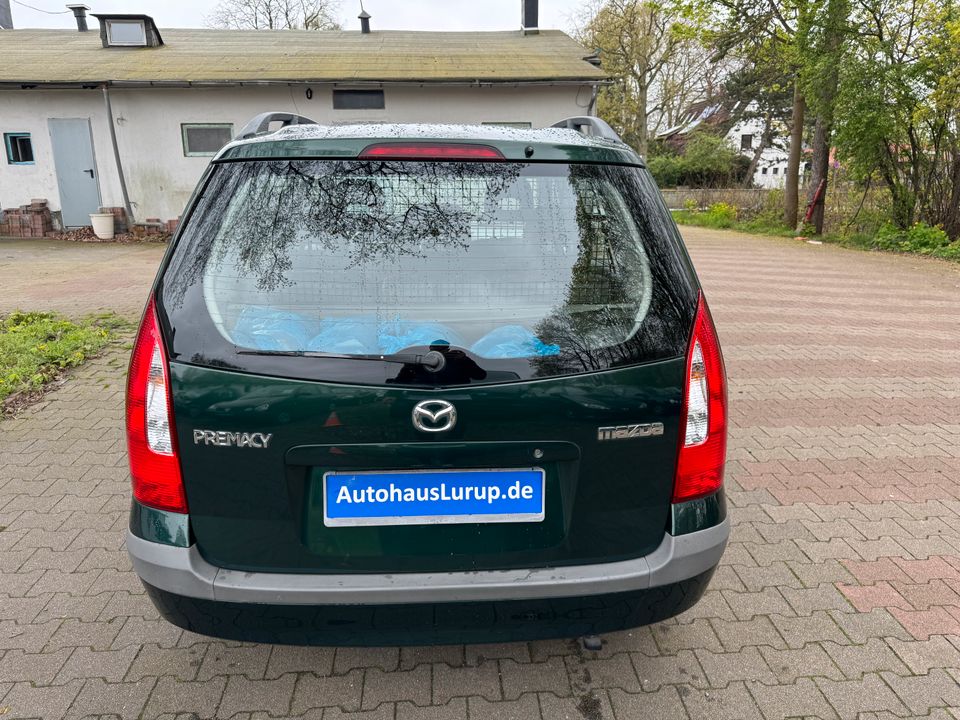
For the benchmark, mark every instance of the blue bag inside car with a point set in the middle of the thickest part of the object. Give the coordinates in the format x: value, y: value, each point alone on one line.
x: 399, y: 334
x: 512, y: 341
x: 365, y: 336
x: 347, y: 336
x: 266, y: 328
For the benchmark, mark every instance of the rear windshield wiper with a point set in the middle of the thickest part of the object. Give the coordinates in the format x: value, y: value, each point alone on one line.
x: 434, y: 360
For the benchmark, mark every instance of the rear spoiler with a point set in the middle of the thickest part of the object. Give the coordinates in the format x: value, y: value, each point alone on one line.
x: 589, y: 125
x: 260, y: 125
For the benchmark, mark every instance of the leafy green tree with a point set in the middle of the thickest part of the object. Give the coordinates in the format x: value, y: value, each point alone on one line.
x: 821, y: 58
x: 768, y: 35
x: 650, y: 55
x: 760, y: 90
x: 898, y: 110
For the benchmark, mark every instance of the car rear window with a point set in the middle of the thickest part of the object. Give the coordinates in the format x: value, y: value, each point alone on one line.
x: 320, y: 268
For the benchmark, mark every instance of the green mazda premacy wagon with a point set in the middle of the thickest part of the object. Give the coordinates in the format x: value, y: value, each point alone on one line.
x: 425, y: 383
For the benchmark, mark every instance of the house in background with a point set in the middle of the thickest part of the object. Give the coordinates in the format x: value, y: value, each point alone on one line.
x: 771, y: 171
x: 90, y: 117
x: 708, y: 115
x: 743, y: 135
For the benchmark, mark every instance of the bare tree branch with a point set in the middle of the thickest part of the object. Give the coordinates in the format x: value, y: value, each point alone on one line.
x: 275, y: 15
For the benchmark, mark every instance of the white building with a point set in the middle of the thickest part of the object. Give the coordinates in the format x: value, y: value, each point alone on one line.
x: 745, y: 136
x: 84, y: 113
x: 771, y: 170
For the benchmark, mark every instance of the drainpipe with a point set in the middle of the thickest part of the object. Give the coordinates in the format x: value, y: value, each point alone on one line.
x: 591, y: 108
x: 116, y: 154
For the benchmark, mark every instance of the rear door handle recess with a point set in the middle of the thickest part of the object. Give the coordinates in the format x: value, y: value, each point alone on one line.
x: 89, y: 171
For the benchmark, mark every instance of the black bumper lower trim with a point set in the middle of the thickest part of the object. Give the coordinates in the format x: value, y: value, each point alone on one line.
x: 425, y: 624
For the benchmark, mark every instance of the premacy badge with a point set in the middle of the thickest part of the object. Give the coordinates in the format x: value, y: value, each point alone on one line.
x: 223, y: 438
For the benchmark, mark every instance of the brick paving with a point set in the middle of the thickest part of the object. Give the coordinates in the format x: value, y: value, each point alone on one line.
x: 839, y: 596
x: 76, y: 278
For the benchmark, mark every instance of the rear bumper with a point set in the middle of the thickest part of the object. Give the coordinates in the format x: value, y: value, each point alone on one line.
x: 182, y: 571
x: 428, y: 608
x: 430, y: 623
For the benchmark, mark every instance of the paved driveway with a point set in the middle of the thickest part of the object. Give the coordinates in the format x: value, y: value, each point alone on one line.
x: 76, y: 278
x: 839, y: 595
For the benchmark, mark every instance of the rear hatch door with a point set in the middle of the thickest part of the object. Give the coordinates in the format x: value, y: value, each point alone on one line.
x: 301, y: 306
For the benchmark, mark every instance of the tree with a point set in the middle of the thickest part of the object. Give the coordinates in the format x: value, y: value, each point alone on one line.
x: 769, y: 35
x: 760, y: 90
x: 688, y: 76
x: 822, y: 55
x: 899, y: 107
x: 791, y: 188
x: 636, y: 40
x: 275, y: 15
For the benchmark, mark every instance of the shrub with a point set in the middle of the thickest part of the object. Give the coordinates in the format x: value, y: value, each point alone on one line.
x: 707, y: 161
x: 721, y: 215
x: 920, y: 238
x: 770, y: 210
x: 889, y: 237
x: 666, y: 170
x: 948, y: 252
x: 765, y: 226
x: 925, y: 239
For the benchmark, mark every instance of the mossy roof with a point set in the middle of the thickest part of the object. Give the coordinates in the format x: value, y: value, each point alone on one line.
x: 257, y: 56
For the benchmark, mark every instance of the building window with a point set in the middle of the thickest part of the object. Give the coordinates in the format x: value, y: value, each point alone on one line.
x: 776, y: 171
x: 358, y: 100
x: 19, y: 148
x: 205, y: 138
x: 746, y: 142
x: 510, y: 124
x: 126, y: 33
x: 765, y: 170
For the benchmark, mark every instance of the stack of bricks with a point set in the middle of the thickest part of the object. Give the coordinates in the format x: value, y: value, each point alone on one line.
x: 151, y: 226
x: 120, y: 224
x: 27, y: 221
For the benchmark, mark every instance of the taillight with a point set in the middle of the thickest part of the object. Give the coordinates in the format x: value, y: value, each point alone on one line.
x: 430, y: 151
x: 151, y: 441
x: 703, y: 445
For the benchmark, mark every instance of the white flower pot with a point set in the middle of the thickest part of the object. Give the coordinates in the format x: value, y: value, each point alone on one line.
x: 102, y: 225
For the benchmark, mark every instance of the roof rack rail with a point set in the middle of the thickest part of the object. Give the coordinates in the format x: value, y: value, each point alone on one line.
x: 589, y: 125
x: 260, y: 125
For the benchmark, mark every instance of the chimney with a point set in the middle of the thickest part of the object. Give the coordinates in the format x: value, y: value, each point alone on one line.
x: 364, y: 20
x: 529, y: 20
x: 80, y: 13
x: 6, y: 17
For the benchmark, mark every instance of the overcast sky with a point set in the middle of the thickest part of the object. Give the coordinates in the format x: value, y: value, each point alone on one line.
x: 387, y: 14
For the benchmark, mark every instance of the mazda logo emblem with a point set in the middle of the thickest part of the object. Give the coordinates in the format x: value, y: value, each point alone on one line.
x: 434, y: 416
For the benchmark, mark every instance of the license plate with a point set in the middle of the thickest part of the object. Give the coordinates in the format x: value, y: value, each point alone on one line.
x: 433, y: 497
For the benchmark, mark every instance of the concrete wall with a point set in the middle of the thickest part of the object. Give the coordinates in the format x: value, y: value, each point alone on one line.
x: 22, y: 111
x: 160, y: 178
